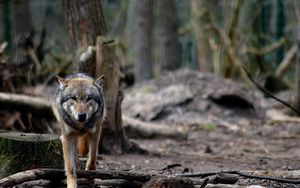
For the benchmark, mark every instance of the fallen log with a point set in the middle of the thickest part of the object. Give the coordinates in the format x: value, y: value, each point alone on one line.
x: 24, y: 103
x: 133, y: 127
x: 139, y: 129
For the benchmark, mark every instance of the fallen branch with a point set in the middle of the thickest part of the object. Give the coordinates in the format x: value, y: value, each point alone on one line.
x: 267, y: 49
x: 281, y: 180
x: 58, y: 175
x: 277, y: 117
x: 55, y: 176
x: 247, y: 175
x: 286, y: 62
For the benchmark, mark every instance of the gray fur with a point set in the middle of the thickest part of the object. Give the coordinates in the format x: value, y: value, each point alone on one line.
x: 64, y: 95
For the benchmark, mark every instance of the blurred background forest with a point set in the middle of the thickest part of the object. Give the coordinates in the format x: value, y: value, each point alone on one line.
x: 182, y: 62
x: 157, y: 36
x: 153, y: 38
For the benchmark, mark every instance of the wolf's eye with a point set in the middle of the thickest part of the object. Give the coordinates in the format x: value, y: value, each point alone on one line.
x: 89, y: 98
x: 73, y: 98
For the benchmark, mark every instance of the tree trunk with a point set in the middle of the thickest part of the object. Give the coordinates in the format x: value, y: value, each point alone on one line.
x: 168, y: 35
x: 114, y: 138
x: 86, y: 22
x: 201, y: 21
x: 143, y: 44
x: 23, y: 28
x: 297, y: 74
x: 6, y: 15
x: 297, y: 67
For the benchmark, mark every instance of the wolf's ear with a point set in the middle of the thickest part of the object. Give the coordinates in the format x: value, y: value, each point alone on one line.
x: 99, y: 81
x: 62, y: 82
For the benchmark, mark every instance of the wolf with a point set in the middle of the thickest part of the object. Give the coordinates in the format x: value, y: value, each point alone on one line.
x: 79, y: 109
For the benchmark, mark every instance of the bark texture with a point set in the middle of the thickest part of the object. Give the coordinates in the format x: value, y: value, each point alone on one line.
x: 22, y: 30
x: 201, y: 21
x: 85, y: 22
x: 168, y: 35
x: 143, y: 44
x: 114, y: 139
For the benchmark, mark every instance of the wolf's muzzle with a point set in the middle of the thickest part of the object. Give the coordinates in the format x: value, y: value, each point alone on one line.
x: 82, y: 116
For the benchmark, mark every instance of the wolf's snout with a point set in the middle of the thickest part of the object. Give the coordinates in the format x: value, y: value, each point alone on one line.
x: 82, y: 116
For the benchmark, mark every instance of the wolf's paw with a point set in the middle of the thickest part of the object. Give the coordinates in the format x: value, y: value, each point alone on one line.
x: 71, y: 182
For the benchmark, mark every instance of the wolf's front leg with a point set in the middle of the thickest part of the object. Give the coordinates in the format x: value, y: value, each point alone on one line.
x: 93, y: 151
x: 70, y: 157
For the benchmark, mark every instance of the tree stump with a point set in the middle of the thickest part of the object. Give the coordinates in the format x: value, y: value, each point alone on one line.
x: 114, y: 138
x: 23, y: 151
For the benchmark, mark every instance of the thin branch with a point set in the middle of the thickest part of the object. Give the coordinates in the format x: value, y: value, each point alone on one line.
x: 281, y: 180
x: 205, y: 174
x: 286, y: 62
x: 268, y: 93
x: 268, y: 48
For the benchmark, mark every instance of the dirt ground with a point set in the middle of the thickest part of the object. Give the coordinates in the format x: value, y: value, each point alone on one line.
x: 220, y: 136
x: 226, y: 126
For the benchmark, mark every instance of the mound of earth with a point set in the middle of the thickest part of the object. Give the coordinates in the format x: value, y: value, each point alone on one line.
x: 189, y: 97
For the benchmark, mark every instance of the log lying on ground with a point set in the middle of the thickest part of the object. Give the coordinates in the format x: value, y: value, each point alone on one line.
x: 57, y: 175
x: 36, y: 105
x: 140, y: 129
x: 134, y: 127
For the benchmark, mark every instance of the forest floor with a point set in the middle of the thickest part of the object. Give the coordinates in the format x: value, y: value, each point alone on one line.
x: 219, y: 125
x: 227, y: 127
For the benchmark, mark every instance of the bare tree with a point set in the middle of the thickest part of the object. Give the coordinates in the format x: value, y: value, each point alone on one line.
x: 86, y: 22
x: 143, y: 40
x: 22, y: 30
x: 201, y: 21
x: 6, y: 12
x: 168, y: 35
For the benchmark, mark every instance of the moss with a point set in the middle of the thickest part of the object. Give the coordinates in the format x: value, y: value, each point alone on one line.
x: 209, y: 127
x: 18, y: 156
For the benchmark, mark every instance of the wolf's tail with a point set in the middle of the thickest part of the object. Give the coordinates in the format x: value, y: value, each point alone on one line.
x: 82, y: 145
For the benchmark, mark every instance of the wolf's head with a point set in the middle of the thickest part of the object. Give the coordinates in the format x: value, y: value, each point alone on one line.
x: 80, y: 98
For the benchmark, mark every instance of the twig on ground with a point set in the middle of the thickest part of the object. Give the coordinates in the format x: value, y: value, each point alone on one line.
x: 121, y: 177
x: 170, y: 166
x: 204, y: 183
x: 206, y: 174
